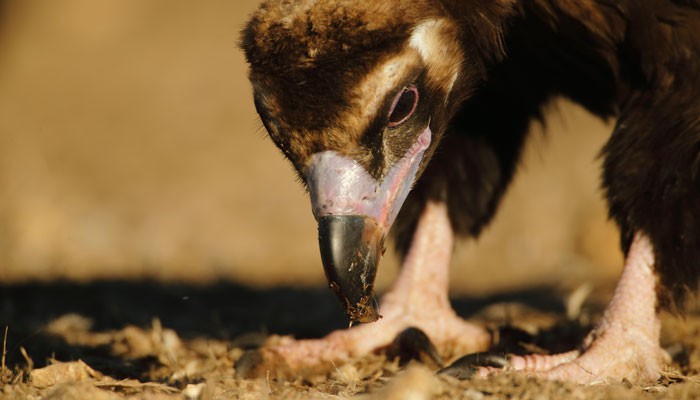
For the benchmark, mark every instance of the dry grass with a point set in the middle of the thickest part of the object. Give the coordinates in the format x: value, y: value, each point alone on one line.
x: 117, y: 352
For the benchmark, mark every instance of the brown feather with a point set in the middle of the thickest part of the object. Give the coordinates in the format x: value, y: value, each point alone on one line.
x: 484, y: 70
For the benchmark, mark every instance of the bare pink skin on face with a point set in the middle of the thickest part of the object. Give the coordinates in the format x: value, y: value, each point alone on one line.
x: 624, y: 345
x: 339, y: 185
x: 418, y: 299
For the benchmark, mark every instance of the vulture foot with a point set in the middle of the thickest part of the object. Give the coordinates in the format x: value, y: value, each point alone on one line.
x: 417, y: 300
x: 624, y: 345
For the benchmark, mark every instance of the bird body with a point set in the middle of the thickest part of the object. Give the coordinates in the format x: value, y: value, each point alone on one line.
x: 438, y: 95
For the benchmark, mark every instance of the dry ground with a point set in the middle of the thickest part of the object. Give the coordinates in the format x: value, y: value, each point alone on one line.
x: 149, y: 233
x: 116, y: 340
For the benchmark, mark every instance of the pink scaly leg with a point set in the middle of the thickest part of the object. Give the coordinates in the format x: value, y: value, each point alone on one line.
x: 625, y: 344
x: 418, y: 299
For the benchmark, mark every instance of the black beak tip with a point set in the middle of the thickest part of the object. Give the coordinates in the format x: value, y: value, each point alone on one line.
x: 351, y: 246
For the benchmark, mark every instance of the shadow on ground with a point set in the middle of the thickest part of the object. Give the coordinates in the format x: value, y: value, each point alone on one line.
x: 225, y: 311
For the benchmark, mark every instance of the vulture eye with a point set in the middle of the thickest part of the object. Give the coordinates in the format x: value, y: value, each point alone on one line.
x: 403, y: 106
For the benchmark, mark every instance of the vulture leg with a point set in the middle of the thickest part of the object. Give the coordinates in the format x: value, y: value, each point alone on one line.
x: 625, y: 344
x: 652, y: 189
x: 418, y: 300
x: 651, y: 179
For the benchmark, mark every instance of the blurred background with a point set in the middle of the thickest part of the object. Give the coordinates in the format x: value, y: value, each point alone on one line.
x: 129, y: 149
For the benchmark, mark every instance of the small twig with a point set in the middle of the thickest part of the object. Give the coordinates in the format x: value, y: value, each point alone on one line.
x: 133, y: 384
x: 678, y: 376
x: 27, y: 359
x: 4, y: 353
x: 576, y: 299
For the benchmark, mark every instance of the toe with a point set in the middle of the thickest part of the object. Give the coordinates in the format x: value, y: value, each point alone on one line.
x: 539, y: 362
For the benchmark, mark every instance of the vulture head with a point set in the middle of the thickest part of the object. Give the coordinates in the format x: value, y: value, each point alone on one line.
x: 357, y: 95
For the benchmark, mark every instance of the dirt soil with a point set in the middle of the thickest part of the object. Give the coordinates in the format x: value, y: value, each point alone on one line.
x: 114, y: 340
x: 149, y: 234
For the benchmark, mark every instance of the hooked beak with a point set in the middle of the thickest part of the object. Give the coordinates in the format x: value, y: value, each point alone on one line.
x: 351, y: 246
x: 354, y: 213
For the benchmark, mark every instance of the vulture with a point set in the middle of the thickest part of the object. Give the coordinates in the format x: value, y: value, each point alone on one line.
x: 411, y: 116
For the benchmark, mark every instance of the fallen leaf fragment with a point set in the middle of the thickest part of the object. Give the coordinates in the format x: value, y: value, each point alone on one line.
x: 63, y: 372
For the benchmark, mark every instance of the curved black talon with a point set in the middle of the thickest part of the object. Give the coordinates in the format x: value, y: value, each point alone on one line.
x: 413, y: 344
x: 465, y: 367
x: 511, y: 339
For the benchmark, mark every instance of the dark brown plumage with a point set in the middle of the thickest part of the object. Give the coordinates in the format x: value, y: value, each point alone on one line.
x: 483, y: 71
